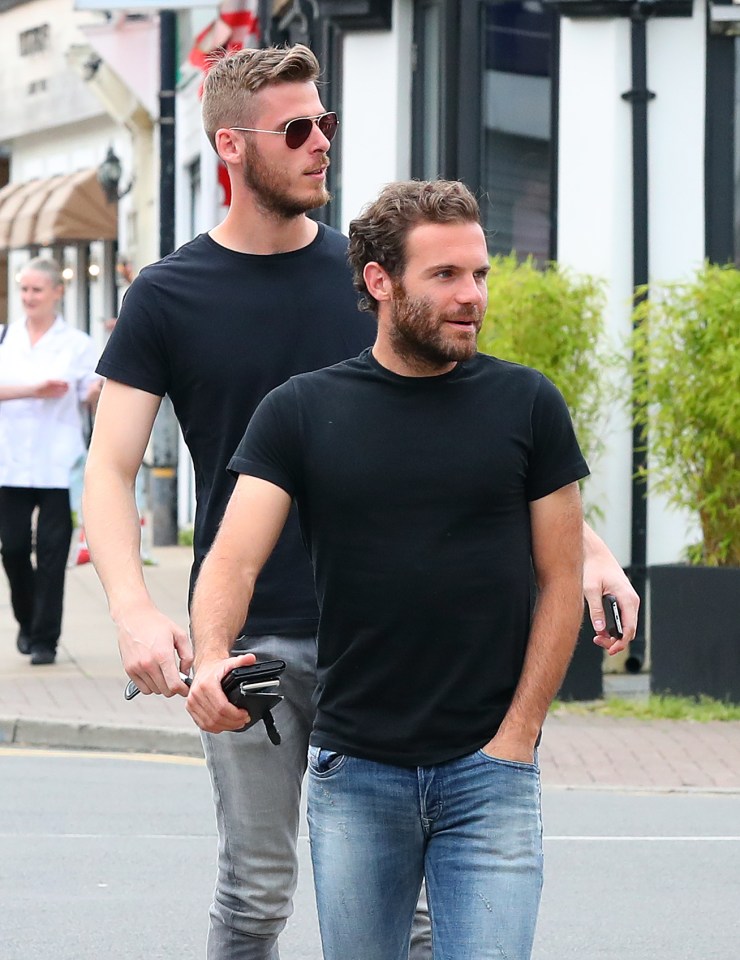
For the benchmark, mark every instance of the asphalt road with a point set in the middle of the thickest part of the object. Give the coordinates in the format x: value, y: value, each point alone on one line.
x: 106, y: 857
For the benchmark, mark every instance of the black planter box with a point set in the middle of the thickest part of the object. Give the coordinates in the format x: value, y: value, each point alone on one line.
x: 695, y: 631
x: 584, y: 679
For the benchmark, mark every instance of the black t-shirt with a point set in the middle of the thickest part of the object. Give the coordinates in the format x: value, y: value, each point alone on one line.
x: 217, y: 330
x: 413, y: 495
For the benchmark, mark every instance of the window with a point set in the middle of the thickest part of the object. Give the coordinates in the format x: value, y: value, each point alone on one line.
x: 483, y: 94
x: 34, y: 41
x: 515, y: 144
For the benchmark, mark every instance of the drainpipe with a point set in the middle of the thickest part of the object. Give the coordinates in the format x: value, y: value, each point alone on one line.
x: 639, y: 97
x: 164, y: 442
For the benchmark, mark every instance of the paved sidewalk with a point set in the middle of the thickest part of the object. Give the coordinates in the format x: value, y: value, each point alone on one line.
x: 78, y: 703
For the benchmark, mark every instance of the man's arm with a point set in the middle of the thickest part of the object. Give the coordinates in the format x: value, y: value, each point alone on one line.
x: 602, y: 574
x: 252, y: 523
x: 153, y: 647
x: 557, y: 553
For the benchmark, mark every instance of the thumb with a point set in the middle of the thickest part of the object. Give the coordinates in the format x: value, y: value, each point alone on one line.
x: 596, y: 610
x: 184, y: 648
x: 243, y: 660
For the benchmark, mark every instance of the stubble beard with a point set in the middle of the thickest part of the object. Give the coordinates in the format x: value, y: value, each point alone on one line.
x: 272, y: 192
x: 417, y: 332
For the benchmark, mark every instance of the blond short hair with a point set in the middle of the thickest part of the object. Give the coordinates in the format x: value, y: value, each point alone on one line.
x: 234, y: 78
x: 47, y: 266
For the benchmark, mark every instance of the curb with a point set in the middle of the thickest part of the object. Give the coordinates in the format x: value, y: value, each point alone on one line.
x: 78, y: 735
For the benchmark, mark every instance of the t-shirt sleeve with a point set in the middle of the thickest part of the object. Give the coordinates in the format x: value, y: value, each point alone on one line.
x: 271, y: 445
x: 135, y: 353
x: 555, y: 458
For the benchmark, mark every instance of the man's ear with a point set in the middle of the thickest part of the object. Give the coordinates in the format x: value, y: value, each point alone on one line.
x: 229, y: 146
x: 377, y: 281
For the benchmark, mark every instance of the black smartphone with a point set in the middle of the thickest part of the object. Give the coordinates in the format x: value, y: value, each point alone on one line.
x: 612, y: 616
x: 263, y: 675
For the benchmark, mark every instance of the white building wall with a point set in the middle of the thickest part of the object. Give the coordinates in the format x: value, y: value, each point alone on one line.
x: 676, y: 136
x: 376, y: 110
x: 39, y: 89
x: 595, y: 210
x: 595, y: 220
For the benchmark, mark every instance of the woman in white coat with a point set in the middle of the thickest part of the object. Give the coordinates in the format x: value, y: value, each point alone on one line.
x: 47, y: 373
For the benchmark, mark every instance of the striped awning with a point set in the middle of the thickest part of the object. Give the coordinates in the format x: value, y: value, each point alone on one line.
x: 70, y: 208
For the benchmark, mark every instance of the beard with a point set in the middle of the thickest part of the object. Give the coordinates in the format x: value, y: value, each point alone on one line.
x: 419, y: 333
x: 272, y: 188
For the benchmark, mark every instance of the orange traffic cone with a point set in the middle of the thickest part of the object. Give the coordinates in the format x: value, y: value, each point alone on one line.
x: 83, y: 554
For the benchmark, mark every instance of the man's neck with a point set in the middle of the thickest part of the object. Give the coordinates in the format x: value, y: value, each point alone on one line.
x: 249, y: 230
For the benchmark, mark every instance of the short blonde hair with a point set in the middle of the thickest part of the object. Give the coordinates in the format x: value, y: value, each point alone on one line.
x: 236, y: 77
x: 47, y: 266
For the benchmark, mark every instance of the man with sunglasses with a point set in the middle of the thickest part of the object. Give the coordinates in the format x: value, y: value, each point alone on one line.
x: 265, y: 295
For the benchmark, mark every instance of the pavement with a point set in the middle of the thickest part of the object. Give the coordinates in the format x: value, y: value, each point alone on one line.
x: 78, y: 703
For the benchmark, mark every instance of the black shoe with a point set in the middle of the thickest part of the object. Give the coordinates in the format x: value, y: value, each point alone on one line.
x: 43, y: 655
x: 23, y: 642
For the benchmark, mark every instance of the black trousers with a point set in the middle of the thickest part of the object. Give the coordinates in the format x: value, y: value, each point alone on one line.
x: 36, y: 593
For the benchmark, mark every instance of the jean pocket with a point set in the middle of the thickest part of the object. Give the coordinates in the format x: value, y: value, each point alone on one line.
x: 511, y: 764
x: 322, y: 762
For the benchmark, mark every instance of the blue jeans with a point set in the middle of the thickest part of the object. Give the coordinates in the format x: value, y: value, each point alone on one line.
x: 256, y: 792
x: 471, y: 827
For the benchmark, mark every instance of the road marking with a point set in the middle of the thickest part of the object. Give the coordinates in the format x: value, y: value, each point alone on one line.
x: 111, y: 836
x: 302, y: 836
x: 102, y: 755
x: 640, y: 839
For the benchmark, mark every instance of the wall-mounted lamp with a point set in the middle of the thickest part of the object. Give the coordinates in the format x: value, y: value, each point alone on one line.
x: 109, y: 176
x: 68, y: 274
x: 94, y: 271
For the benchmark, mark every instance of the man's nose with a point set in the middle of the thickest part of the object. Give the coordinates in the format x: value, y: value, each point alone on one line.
x: 470, y: 290
x: 319, y: 141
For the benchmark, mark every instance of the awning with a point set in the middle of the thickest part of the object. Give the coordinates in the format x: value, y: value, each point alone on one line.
x: 66, y: 209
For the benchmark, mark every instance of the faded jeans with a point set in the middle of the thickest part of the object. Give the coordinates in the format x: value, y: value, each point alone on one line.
x: 471, y: 826
x: 256, y: 792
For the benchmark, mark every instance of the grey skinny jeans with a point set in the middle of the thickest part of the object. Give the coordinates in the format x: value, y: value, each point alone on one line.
x: 257, y: 792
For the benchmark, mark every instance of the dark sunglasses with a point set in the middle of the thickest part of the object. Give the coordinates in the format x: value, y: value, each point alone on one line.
x: 299, y: 130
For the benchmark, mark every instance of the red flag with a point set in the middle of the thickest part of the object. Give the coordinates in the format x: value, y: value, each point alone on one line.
x: 235, y: 28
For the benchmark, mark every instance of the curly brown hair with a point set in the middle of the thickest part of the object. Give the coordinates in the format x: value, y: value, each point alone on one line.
x: 379, y: 233
x: 235, y: 77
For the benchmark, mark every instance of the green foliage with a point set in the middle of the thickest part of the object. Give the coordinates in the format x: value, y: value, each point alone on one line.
x: 686, y: 381
x: 185, y: 536
x: 701, y: 709
x: 552, y: 321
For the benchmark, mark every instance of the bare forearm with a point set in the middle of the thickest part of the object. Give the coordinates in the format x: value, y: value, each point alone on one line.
x: 15, y: 392
x: 219, y: 608
x: 19, y: 391
x: 552, y: 639
x: 113, y: 535
x: 557, y: 555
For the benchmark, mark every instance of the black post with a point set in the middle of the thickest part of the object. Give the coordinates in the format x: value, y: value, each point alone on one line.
x: 163, y: 475
x: 638, y: 97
